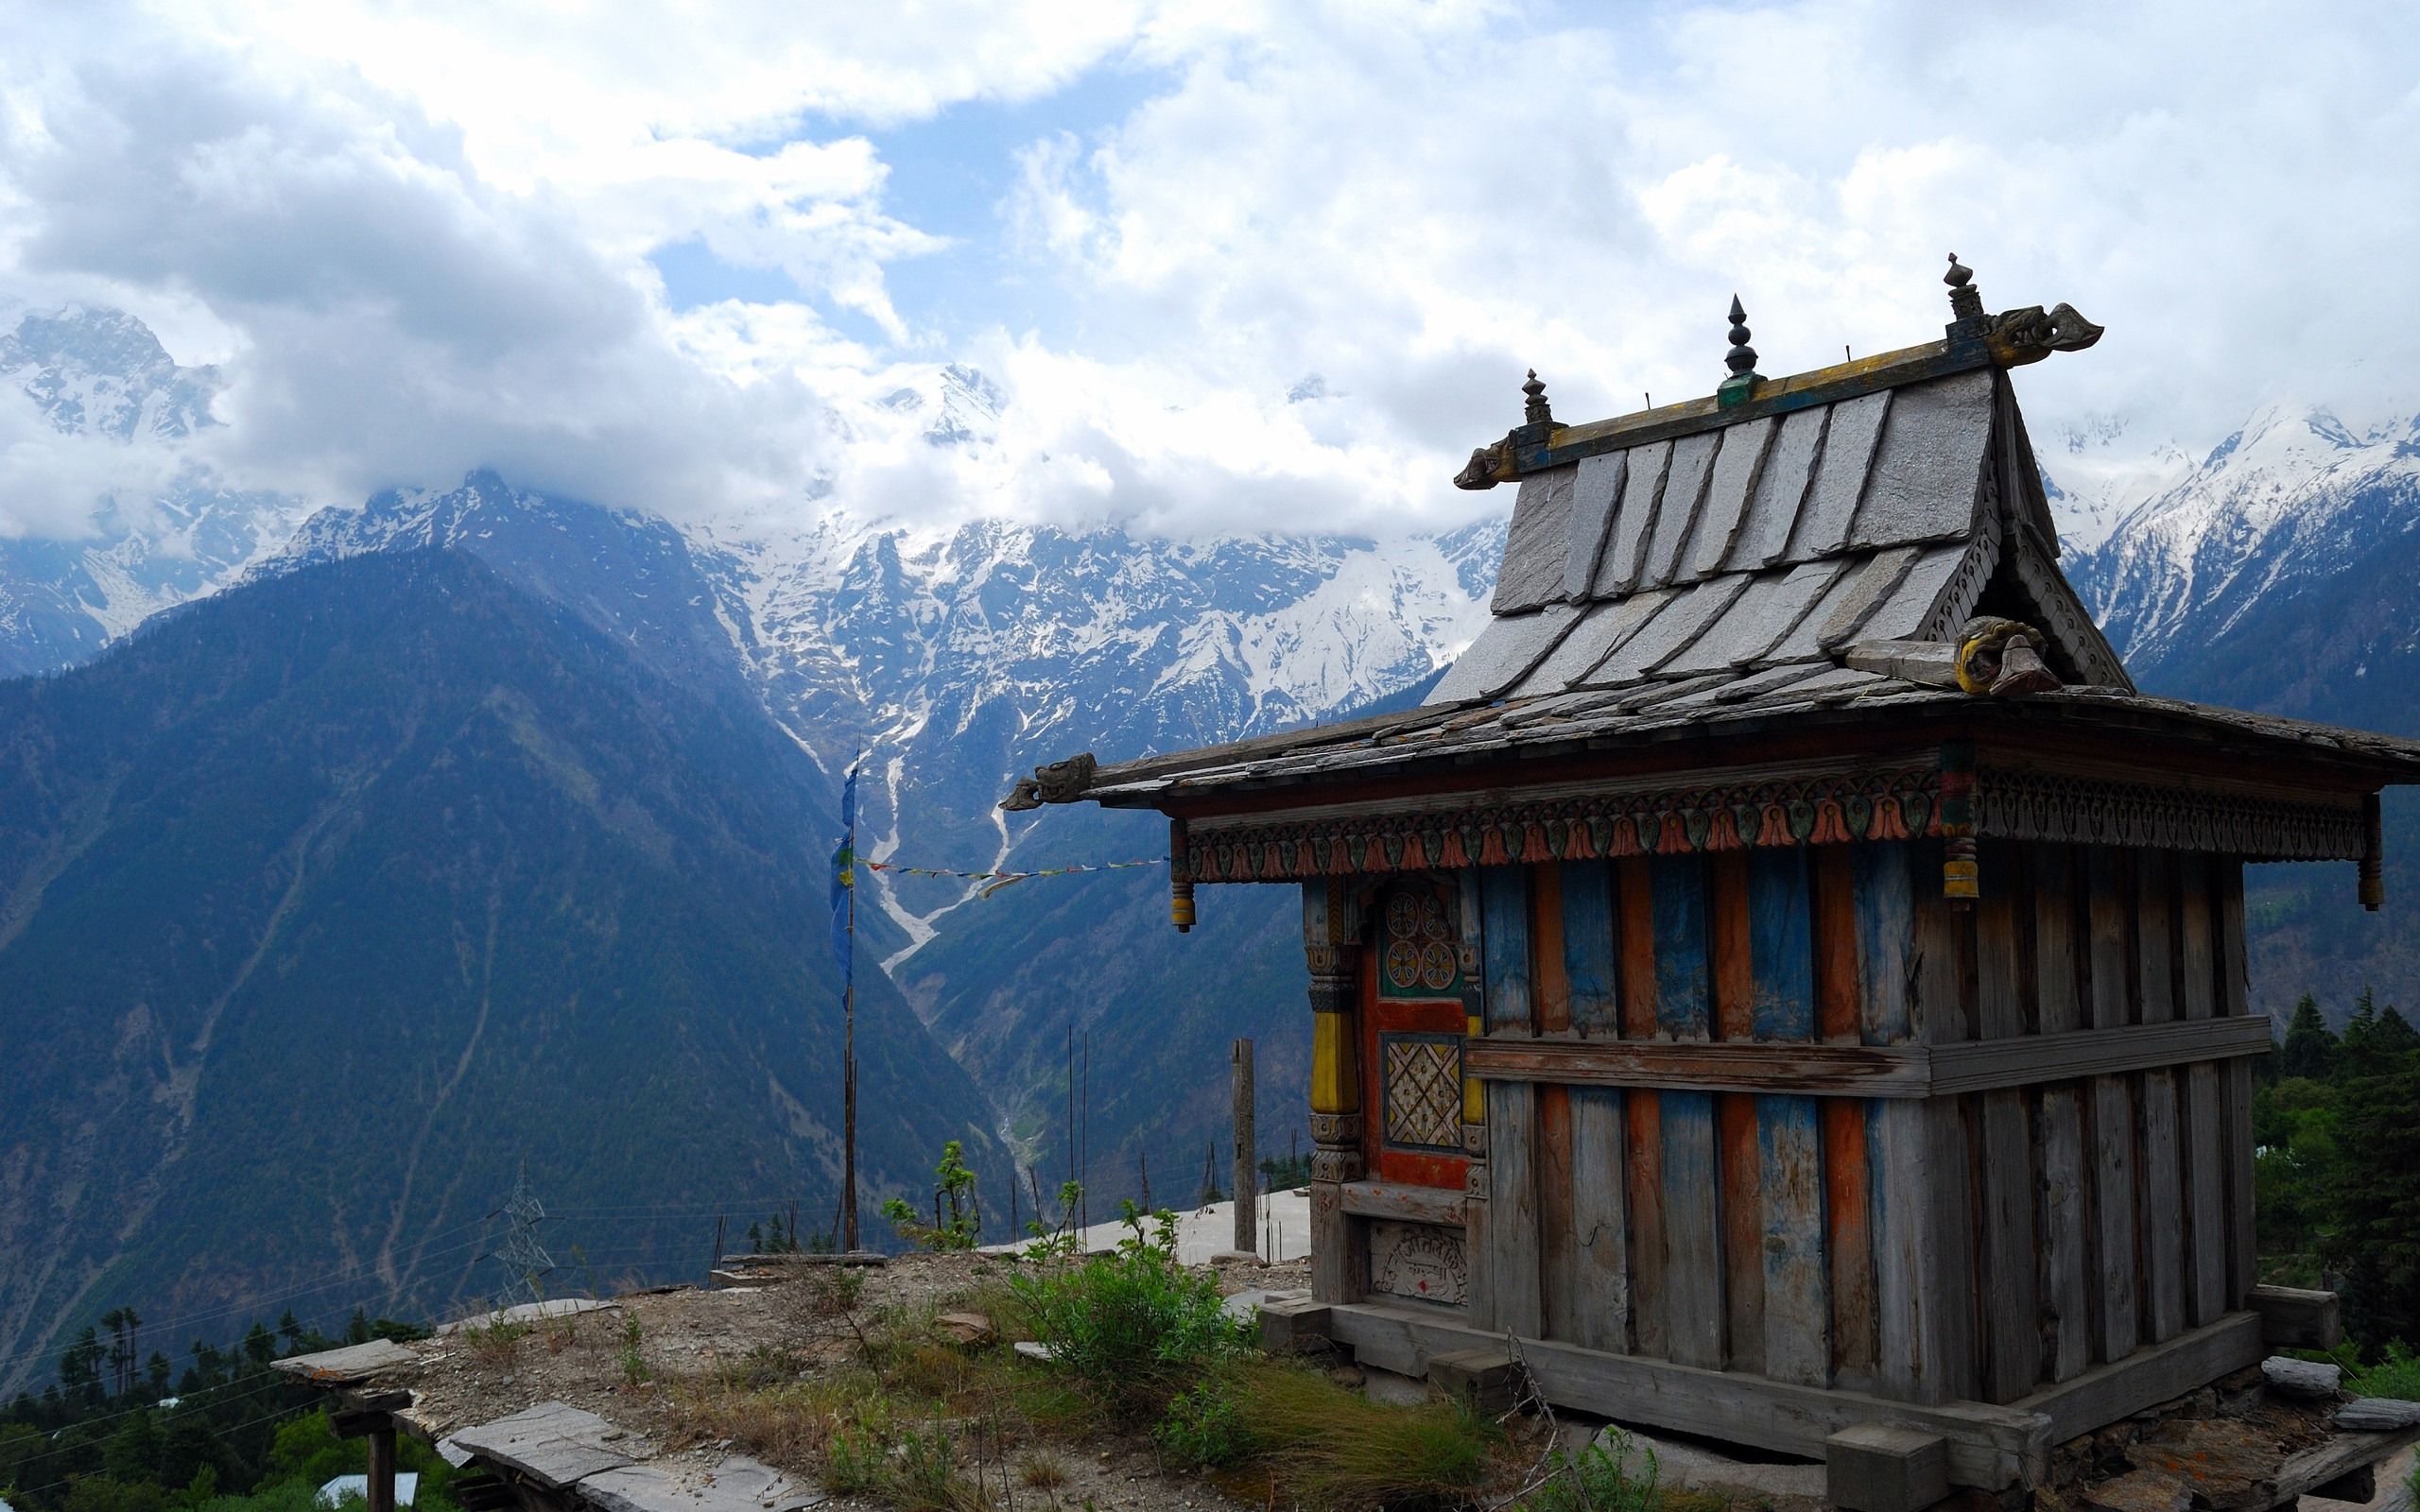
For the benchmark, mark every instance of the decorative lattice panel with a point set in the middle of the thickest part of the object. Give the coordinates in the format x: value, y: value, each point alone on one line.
x: 1423, y: 1089
x: 1417, y: 959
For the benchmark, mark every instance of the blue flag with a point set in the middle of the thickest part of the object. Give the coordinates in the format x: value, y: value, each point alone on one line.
x: 844, y: 877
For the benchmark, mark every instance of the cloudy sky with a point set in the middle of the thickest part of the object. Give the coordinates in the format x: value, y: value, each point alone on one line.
x: 1235, y: 265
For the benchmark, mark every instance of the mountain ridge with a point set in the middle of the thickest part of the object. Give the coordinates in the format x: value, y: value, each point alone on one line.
x: 392, y: 837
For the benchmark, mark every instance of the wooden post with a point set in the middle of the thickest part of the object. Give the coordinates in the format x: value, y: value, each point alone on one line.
x: 381, y: 1490
x: 1331, y: 948
x: 1246, y: 1177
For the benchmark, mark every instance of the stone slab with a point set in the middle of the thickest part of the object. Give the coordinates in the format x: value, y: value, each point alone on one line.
x: 554, y: 1443
x: 1851, y: 428
x: 354, y: 1361
x: 1928, y: 466
x: 734, y: 1484
x: 1536, y: 542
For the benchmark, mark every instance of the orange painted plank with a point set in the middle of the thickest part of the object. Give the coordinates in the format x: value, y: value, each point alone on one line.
x: 1633, y: 905
x: 1557, y: 1247
x: 1642, y: 1111
x: 1549, y: 976
x: 1848, y: 1218
x: 1737, y: 1153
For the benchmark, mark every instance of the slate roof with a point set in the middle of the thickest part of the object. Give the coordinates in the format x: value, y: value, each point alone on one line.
x: 1714, y: 707
x: 1706, y: 569
x: 1775, y: 541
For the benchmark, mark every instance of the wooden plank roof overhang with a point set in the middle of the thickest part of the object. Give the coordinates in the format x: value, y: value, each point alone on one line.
x: 1801, y: 610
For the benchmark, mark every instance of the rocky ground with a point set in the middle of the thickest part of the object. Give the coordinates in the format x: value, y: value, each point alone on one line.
x: 773, y: 1371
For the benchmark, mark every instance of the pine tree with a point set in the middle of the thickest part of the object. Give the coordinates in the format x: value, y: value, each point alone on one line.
x: 2377, y: 1240
x: 2309, y: 1049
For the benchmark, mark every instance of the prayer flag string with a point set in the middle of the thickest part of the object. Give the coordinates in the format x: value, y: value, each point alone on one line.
x: 999, y: 880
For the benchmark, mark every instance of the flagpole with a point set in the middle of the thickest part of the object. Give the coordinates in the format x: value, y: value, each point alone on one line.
x: 849, y: 1055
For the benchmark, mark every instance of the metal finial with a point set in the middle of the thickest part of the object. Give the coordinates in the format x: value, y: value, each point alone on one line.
x: 1741, y: 357
x: 1965, y: 302
x: 1535, y: 412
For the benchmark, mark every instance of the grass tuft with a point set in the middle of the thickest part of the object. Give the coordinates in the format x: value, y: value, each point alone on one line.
x: 1328, y: 1446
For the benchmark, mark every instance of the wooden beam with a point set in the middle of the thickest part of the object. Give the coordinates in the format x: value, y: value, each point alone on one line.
x: 2293, y: 1317
x: 1989, y: 1447
x: 1905, y: 1070
x: 2154, y: 1374
x: 1983, y: 1065
x: 1406, y: 1204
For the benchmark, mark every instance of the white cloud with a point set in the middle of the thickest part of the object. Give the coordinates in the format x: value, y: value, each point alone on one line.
x: 417, y: 238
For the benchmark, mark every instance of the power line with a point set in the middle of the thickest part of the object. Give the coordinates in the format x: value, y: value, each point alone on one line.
x: 257, y: 1304
x: 526, y: 1259
x: 312, y: 1405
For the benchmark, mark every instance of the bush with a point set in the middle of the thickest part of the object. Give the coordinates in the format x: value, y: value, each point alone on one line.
x: 1597, y: 1479
x: 1328, y: 1446
x: 2396, y: 1375
x: 1133, y: 1325
x: 1203, y: 1427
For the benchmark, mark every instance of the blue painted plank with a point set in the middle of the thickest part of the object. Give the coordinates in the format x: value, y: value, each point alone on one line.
x: 1504, y: 900
x: 1886, y: 927
x: 1678, y: 885
x: 1589, y: 964
x: 1781, y: 944
x: 1693, y: 1310
x: 1780, y: 953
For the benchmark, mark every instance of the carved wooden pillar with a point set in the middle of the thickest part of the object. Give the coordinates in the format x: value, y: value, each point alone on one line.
x: 1472, y: 962
x: 1331, y: 945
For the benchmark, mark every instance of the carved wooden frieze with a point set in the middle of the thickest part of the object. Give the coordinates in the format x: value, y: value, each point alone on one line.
x: 1832, y: 808
x: 1424, y: 1261
x: 1888, y: 805
x: 2023, y: 805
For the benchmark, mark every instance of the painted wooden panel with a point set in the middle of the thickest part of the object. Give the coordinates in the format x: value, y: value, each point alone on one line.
x: 1642, y: 1111
x: 2065, y: 1186
x: 1512, y: 1206
x: 1504, y: 906
x: 1478, y: 1243
x: 1551, y: 1008
x: 1848, y: 1232
x: 1558, y: 1241
x: 2234, y: 1002
x: 1601, y: 1166
x: 1781, y: 947
x: 1550, y: 988
x: 1906, y: 1327
x: 2011, y: 1318
x: 1693, y: 1281
x: 2161, y: 1158
x: 1739, y: 1202
x: 1590, y: 965
x: 2203, y: 1142
x: 2108, y: 993
x: 1942, y: 1009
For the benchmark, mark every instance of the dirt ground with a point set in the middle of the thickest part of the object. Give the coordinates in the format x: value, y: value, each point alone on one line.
x: 686, y: 1339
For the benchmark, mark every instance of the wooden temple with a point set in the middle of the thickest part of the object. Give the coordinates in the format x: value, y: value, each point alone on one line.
x: 1787, y: 980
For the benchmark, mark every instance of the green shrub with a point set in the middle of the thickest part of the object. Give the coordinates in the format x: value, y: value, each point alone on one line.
x: 1203, y: 1428
x: 1326, y: 1446
x: 915, y: 1471
x: 2396, y: 1375
x: 1132, y: 1324
x: 1597, y: 1479
x: 956, y: 1224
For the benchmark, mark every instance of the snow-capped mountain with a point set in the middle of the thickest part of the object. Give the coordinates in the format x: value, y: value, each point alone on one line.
x: 104, y: 390
x: 2291, y: 498
x: 958, y: 656
x: 2095, y: 476
x: 957, y: 659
